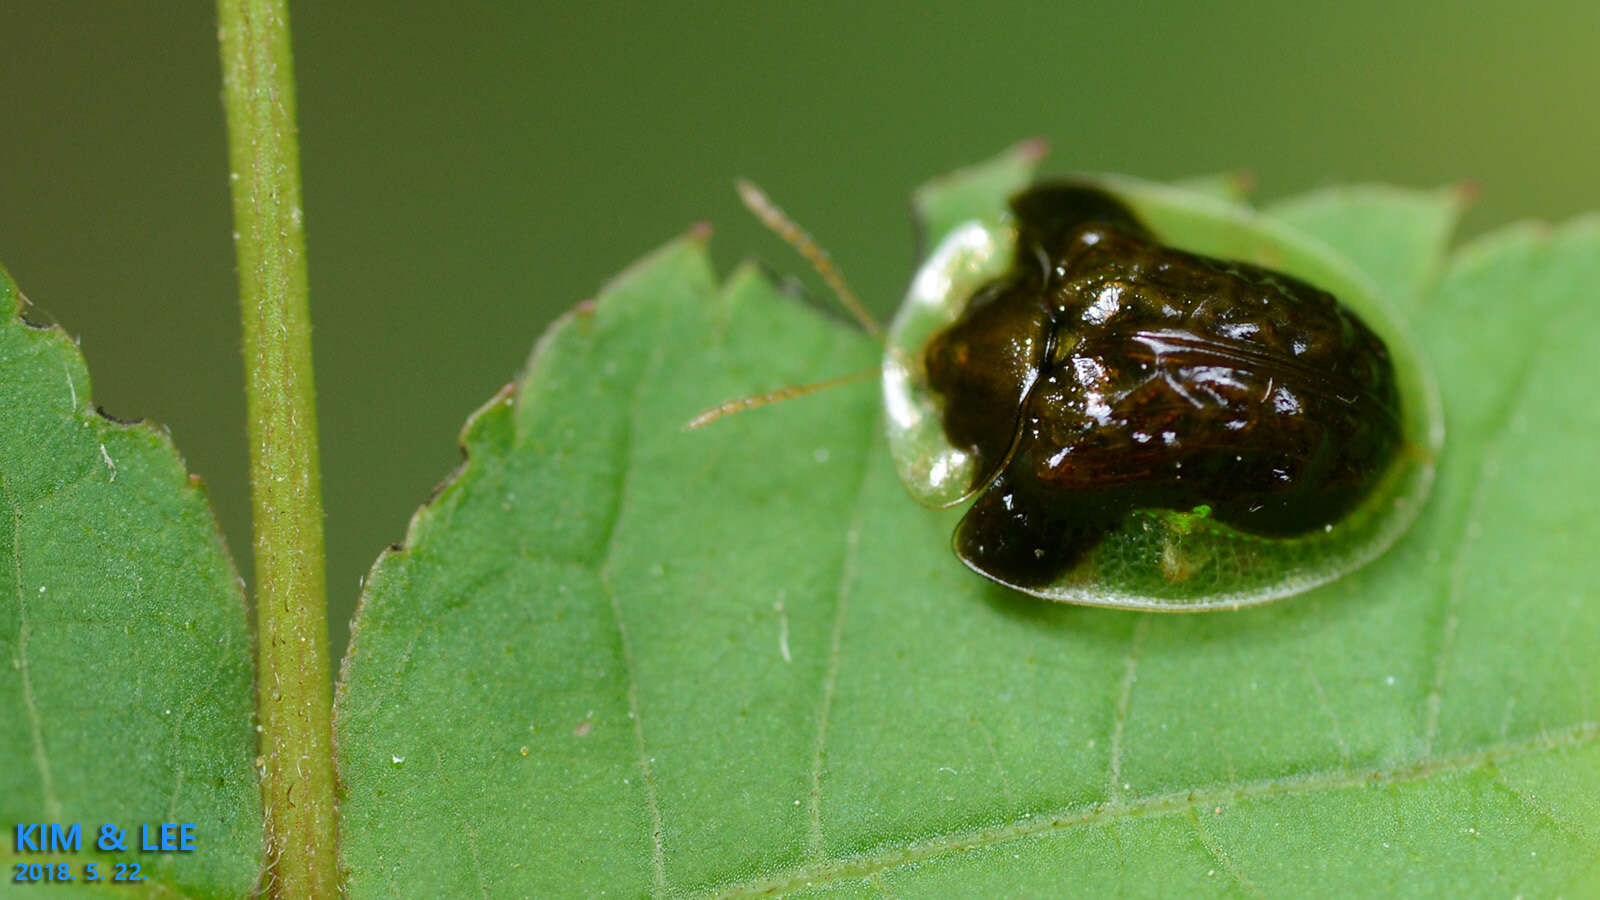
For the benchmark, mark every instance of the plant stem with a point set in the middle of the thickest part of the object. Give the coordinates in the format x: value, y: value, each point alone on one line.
x: 292, y: 693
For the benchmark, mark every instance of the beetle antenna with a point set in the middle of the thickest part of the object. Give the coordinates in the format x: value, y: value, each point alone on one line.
x: 755, y: 401
x: 796, y: 237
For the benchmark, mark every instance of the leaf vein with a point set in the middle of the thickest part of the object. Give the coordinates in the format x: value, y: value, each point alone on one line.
x: 1570, y: 829
x: 41, y: 760
x: 467, y: 827
x: 1221, y: 856
x: 994, y: 755
x: 883, y: 859
x: 830, y: 678
x: 658, y: 861
x: 1463, y: 535
x: 1130, y: 677
x: 1327, y: 707
x: 180, y: 774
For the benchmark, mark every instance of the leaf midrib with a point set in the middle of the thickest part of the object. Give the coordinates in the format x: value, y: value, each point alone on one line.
x: 864, y: 865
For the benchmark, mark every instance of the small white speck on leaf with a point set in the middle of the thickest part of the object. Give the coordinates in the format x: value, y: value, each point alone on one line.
x: 783, y: 632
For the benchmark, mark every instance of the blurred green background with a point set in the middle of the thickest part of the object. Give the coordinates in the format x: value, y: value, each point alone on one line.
x: 472, y: 169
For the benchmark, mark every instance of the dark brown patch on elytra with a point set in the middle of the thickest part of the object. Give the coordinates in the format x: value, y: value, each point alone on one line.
x: 1151, y: 378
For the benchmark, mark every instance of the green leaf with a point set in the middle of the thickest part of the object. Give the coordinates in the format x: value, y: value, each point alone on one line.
x: 976, y: 192
x: 127, y: 691
x: 615, y: 657
x: 1398, y: 237
x: 1233, y: 187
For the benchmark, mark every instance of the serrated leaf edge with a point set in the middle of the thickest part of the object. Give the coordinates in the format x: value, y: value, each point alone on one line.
x: 193, y: 484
